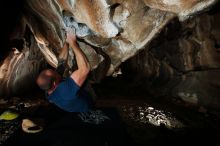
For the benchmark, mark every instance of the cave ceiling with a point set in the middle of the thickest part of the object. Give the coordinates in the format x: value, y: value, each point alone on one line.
x: 109, y: 32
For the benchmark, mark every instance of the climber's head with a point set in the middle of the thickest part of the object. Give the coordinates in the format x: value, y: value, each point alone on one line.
x: 48, y: 79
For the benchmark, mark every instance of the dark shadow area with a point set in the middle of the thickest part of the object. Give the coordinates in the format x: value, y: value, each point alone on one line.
x: 68, y: 129
x: 125, y: 126
x: 10, y: 13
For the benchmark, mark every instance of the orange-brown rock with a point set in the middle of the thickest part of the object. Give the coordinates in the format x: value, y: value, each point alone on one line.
x: 109, y: 32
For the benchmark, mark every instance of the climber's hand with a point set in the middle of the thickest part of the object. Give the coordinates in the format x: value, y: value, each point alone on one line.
x: 71, y: 37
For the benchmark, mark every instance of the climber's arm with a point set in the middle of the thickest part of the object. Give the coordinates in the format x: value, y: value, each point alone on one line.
x: 63, y: 55
x: 79, y: 75
x: 62, y: 59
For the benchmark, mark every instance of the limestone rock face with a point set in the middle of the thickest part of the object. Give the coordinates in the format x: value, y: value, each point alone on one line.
x: 109, y: 32
x: 184, y: 64
x: 19, y: 69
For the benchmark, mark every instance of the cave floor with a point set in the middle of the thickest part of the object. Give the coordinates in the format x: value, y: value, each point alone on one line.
x: 143, y: 122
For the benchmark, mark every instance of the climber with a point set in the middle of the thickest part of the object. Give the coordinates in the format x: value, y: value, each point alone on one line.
x: 68, y: 94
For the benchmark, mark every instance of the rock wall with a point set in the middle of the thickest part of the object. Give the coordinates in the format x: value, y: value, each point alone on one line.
x: 183, y: 62
x: 109, y: 32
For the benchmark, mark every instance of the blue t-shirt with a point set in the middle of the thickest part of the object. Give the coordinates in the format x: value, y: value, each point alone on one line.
x: 69, y: 97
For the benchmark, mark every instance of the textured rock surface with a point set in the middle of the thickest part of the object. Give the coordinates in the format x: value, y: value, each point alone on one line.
x: 19, y: 70
x: 186, y: 62
x: 109, y: 32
